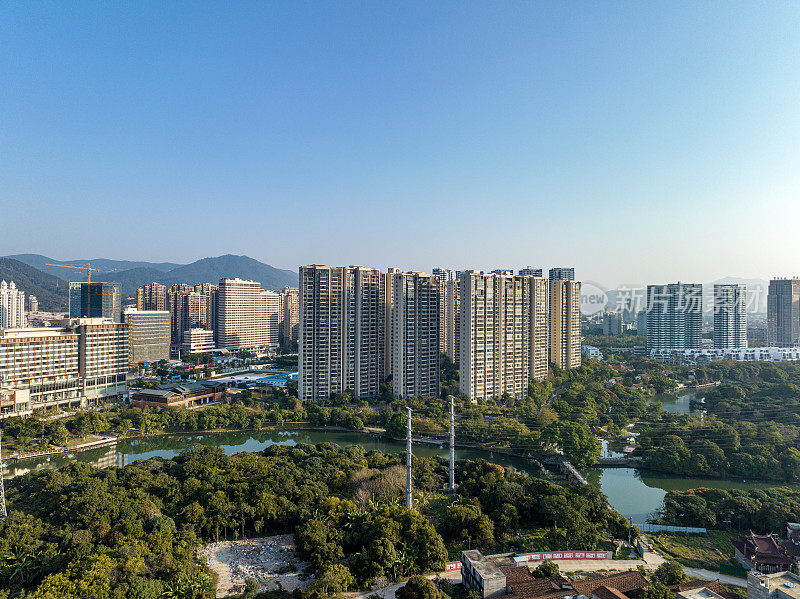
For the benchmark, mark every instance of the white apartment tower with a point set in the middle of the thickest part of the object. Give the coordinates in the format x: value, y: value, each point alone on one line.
x: 247, y: 315
x: 414, y: 332
x: 342, y: 331
x: 674, y: 316
x: 565, y: 323
x: 730, y: 316
x: 498, y: 335
x: 12, y: 306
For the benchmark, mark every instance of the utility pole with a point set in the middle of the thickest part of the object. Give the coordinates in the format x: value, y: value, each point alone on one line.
x: 3, y: 513
x: 452, y: 445
x: 409, y: 502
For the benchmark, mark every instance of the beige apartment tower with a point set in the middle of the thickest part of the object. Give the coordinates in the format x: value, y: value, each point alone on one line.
x: 342, y: 331
x: 247, y: 315
x: 565, y: 323
x: 414, y: 330
x: 152, y: 296
x: 290, y: 315
x: 539, y: 347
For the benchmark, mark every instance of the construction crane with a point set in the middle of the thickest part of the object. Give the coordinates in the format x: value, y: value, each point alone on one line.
x: 88, y: 268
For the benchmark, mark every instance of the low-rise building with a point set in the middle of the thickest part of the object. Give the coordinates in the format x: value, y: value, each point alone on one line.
x: 186, y: 395
x: 198, y: 341
x: 780, y: 585
x: 15, y: 402
x: 761, y: 553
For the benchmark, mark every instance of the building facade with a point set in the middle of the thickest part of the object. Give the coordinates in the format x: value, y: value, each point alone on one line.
x: 148, y: 334
x: 342, y: 331
x: 95, y: 300
x: 198, y: 341
x: 103, y: 357
x: 529, y: 271
x: 502, y: 345
x: 415, y: 332
x: 12, y: 306
x: 674, y: 316
x: 730, y: 316
x: 612, y: 323
x: 783, y: 313
x: 152, y: 296
x: 290, y: 315
x: 562, y: 274
x: 452, y: 329
x: 68, y: 366
x: 247, y: 315
x: 565, y: 323
x: 539, y: 328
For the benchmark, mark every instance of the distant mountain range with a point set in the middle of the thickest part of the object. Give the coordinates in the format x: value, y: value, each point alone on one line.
x: 131, y: 275
x: 50, y: 291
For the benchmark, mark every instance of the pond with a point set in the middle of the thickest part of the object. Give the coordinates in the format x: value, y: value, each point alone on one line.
x: 634, y: 494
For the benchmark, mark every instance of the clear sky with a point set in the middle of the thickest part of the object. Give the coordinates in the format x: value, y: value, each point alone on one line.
x: 637, y: 141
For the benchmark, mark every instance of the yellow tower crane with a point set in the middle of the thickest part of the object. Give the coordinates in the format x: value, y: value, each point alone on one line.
x: 88, y: 268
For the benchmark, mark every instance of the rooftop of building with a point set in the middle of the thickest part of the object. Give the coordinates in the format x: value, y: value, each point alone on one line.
x: 522, y: 585
x: 488, y: 567
x: 786, y: 582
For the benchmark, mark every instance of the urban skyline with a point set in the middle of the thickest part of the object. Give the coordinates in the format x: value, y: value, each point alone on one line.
x: 602, y: 117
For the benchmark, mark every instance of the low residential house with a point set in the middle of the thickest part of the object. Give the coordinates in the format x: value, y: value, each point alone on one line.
x: 762, y: 553
x: 187, y: 395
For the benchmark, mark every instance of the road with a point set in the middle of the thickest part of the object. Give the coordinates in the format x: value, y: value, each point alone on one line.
x: 389, y: 592
x: 711, y: 575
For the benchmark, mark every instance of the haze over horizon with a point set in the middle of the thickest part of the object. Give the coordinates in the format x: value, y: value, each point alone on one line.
x: 637, y: 143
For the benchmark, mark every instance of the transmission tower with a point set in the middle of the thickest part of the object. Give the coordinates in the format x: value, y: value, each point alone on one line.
x: 409, y: 502
x: 452, y: 445
x: 3, y: 513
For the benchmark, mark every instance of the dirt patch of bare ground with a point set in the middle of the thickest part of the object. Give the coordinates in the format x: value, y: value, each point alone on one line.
x: 271, y: 561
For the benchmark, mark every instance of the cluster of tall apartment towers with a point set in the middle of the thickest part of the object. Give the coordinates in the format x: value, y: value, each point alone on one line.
x: 360, y: 328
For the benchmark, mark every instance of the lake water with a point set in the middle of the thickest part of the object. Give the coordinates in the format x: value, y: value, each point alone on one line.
x: 682, y: 404
x: 634, y: 494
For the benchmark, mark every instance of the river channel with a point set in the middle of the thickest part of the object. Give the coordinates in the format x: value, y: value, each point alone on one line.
x: 634, y: 494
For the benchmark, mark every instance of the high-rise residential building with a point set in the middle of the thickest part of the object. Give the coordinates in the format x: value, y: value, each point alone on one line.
x: 191, y: 307
x: 209, y: 292
x: 783, y: 313
x: 674, y: 316
x: 529, y: 271
x: 290, y: 315
x: 69, y: 366
x: 33, y: 303
x: 342, y: 339
x: 148, y: 334
x: 95, y: 300
x: 730, y: 316
x: 445, y: 276
x: 414, y: 332
x: 612, y: 323
x: 498, y: 335
x: 539, y: 358
x: 565, y: 323
x: 562, y: 274
x: 12, y: 306
x: 247, y: 315
x: 152, y: 296
x: 641, y: 323
x: 452, y: 328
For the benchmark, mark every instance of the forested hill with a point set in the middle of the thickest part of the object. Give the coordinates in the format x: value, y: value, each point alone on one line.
x: 51, y: 291
x: 131, y: 275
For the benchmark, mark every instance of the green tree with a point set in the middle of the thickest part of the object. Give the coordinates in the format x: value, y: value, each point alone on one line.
x: 546, y: 569
x: 670, y: 573
x: 418, y: 587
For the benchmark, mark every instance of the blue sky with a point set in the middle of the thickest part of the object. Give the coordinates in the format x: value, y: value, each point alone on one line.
x: 637, y: 141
